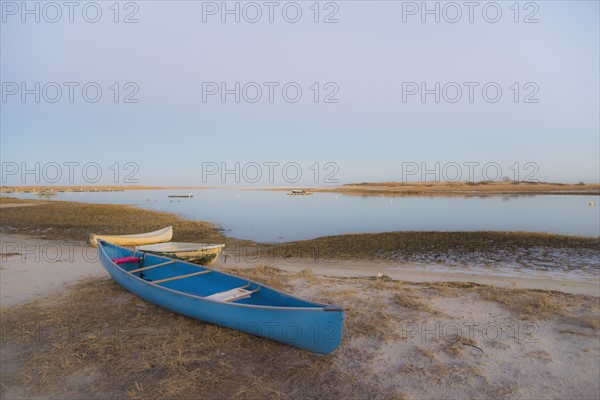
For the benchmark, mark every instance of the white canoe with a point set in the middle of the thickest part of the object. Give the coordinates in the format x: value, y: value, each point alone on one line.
x: 159, y: 236
x: 198, y: 253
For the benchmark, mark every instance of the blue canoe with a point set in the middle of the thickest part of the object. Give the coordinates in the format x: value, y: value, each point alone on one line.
x: 227, y: 300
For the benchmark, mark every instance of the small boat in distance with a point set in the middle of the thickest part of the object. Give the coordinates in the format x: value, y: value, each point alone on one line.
x: 226, y: 300
x: 138, y: 239
x: 46, y: 193
x: 197, y: 253
x: 187, y: 196
x: 299, y: 192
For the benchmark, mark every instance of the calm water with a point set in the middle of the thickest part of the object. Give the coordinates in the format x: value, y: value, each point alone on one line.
x: 272, y: 216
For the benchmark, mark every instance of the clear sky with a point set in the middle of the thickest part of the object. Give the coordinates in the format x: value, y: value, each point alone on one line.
x: 375, y: 61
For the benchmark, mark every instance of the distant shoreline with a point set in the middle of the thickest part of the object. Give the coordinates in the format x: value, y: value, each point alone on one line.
x: 467, y: 188
x: 450, y: 189
x: 100, y: 188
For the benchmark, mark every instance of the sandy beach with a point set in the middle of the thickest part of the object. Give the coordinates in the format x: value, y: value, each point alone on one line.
x: 413, y: 331
x: 33, y: 268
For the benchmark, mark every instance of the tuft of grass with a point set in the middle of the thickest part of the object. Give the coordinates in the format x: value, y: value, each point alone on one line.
x: 270, y: 276
x: 531, y: 304
x: 456, y: 346
x: 307, y: 274
x: 527, y: 303
x: 591, y: 321
x: 11, y: 254
x: 540, y: 354
x: 407, y: 298
x: 426, y: 352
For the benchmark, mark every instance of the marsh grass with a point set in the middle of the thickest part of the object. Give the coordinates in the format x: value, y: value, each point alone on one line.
x: 75, y: 221
x: 399, y: 246
x: 14, y: 200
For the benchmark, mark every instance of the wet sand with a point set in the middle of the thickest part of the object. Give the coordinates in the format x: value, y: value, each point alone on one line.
x: 32, y: 268
x: 567, y: 282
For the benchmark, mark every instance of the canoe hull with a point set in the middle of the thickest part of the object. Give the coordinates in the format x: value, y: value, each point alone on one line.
x: 313, y: 329
x: 159, y: 236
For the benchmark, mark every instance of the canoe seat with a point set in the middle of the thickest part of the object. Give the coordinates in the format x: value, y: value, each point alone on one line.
x: 127, y: 259
x: 232, y: 294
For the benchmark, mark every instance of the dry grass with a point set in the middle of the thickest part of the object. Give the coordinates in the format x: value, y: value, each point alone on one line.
x: 373, y: 324
x: 409, y: 299
x: 592, y: 321
x: 268, y: 275
x: 531, y: 304
x: 14, y: 200
x: 307, y: 274
x: 526, y: 303
x: 452, y: 373
x: 426, y: 352
x: 111, y: 343
x: 458, y: 345
x: 540, y: 354
x: 10, y: 254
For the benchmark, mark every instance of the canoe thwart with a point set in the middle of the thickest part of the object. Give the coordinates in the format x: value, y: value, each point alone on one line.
x: 152, y: 266
x: 232, y: 294
x: 174, y: 278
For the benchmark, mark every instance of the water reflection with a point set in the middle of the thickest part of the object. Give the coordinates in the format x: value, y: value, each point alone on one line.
x: 272, y: 216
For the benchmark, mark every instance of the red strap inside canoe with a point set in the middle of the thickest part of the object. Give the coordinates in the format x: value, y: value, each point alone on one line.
x: 127, y: 259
